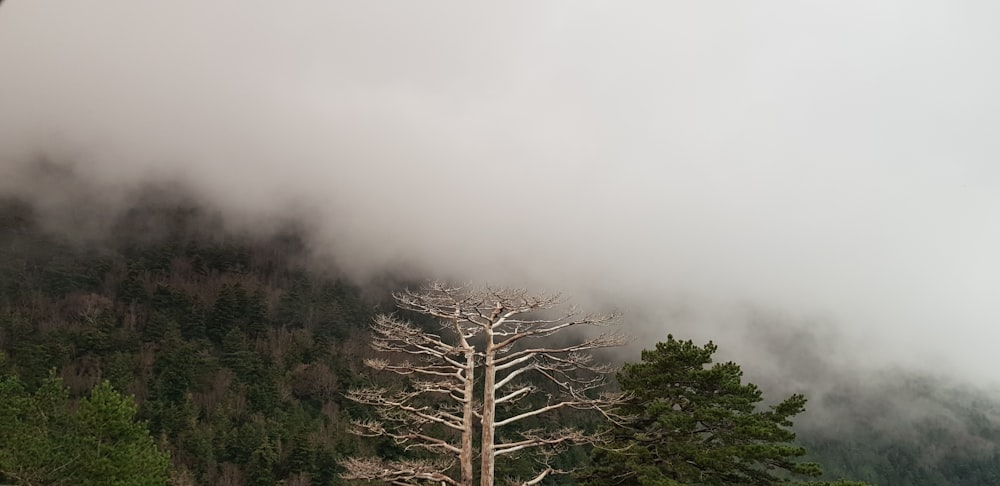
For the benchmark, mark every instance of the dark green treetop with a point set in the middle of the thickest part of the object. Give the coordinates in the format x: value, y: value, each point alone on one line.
x: 690, y: 421
x: 45, y: 440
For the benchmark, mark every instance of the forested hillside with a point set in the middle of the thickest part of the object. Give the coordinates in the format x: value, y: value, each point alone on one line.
x: 239, y: 354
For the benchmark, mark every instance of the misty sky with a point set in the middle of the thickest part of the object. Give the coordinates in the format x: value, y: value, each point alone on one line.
x: 830, y: 162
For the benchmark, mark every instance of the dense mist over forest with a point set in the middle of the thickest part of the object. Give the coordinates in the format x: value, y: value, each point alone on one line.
x: 811, y: 186
x: 164, y: 266
x: 685, y: 163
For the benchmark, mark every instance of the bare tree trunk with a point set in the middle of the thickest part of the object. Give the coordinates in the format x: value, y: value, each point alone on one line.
x: 465, y: 458
x: 488, y: 449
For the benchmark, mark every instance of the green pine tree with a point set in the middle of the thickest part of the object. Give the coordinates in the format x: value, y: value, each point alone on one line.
x: 112, y: 449
x: 694, y: 422
x: 45, y: 440
x: 225, y: 315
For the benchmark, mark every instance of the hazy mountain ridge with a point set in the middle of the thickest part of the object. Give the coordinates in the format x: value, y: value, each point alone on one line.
x: 904, y: 428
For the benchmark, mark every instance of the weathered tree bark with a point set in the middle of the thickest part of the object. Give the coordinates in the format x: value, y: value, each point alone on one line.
x: 489, y: 410
x: 468, y: 399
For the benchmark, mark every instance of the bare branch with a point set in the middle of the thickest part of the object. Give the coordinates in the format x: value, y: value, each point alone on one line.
x: 481, y: 330
x: 535, y: 438
x: 398, y: 472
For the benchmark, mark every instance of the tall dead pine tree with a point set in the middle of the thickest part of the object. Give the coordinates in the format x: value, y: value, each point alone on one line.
x: 495, y: 336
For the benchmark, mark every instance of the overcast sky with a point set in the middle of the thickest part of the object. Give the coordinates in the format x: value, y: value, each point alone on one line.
x: 831, y: 162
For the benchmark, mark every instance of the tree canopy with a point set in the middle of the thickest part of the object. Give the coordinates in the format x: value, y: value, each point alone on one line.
x: 692, y: 421
x: 44, y: 440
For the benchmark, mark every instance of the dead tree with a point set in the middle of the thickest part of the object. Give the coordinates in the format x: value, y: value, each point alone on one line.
x: 498, y: 333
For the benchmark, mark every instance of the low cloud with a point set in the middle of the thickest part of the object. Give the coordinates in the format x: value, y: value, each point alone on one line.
x: 831, y: 163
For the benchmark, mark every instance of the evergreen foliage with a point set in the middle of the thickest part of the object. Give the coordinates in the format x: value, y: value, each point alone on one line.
x: 44, y: 440
x: 690, y: 421
x: 238, y: 359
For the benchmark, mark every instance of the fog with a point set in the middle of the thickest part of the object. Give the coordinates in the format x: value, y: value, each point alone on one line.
x: 699, y: 165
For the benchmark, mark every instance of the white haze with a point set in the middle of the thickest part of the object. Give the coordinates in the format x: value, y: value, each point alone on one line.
x: 697, y: 163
